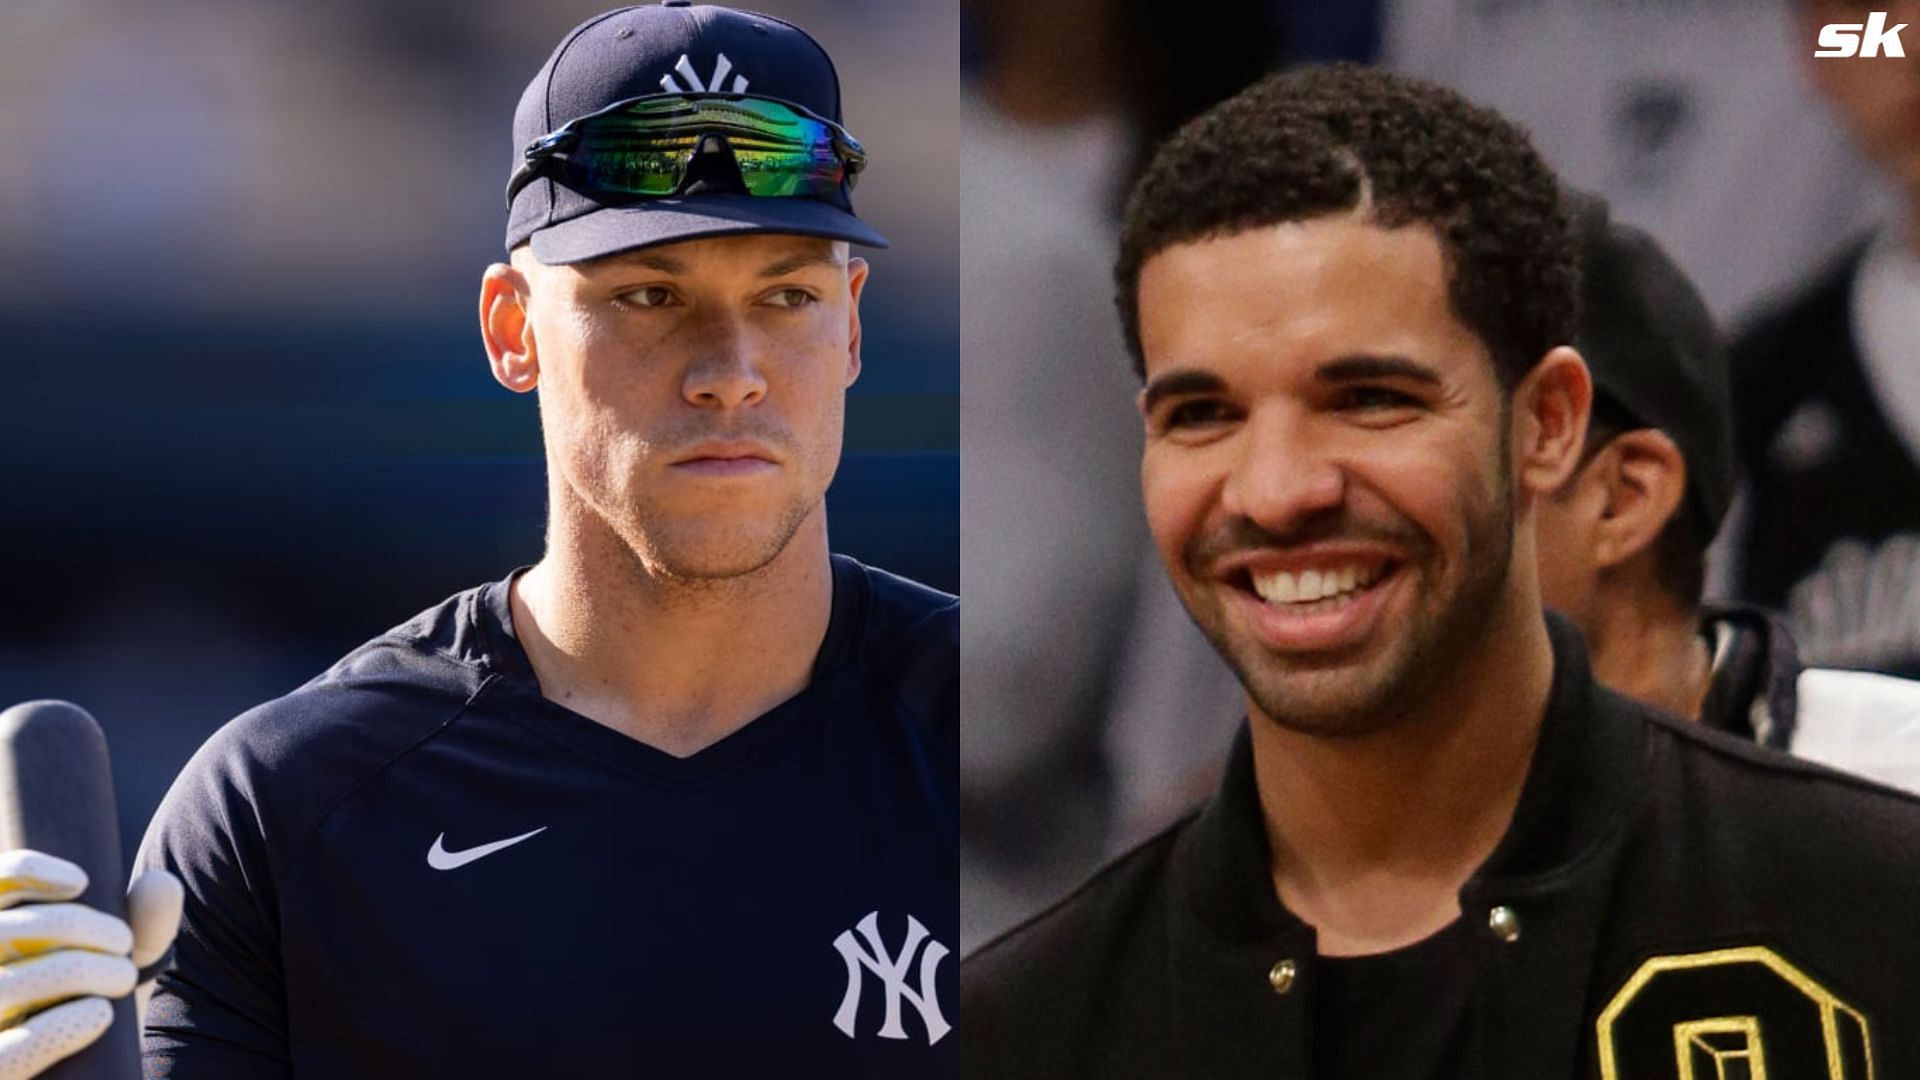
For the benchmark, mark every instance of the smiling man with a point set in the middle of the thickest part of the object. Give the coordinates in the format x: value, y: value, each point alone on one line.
x: 680, y: 799
x: 1440, y: 849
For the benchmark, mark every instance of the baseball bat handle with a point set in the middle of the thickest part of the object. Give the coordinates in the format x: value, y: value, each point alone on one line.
x: 56, y: 796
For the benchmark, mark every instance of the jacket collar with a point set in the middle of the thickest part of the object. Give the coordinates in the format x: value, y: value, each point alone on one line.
x: 1584, y: 776
x: 1552, y: 867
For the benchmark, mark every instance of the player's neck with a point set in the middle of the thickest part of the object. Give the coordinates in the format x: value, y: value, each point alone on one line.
x: 1649, y: 648
x: 1373, y: 837
x: 676, y: 666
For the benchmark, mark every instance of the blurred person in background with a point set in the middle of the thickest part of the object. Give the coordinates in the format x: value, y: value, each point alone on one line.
x: 1827, y: 389
x: 1061, y: 100
x: 1685, y: 115
x: 1623, y: 544
x: 1046, y: 139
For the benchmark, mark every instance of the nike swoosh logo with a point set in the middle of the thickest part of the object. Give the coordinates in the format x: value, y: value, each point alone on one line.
x: 440, y: 858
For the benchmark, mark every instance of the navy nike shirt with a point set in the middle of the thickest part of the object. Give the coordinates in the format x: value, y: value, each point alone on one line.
x: 417, y: 866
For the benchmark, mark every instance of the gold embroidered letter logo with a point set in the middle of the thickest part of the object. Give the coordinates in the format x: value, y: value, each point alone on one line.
x: 1731, y: 1014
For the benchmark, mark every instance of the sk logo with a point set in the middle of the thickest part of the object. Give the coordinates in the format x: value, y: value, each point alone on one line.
x: 1730, y: 1013
x: 1868, y: 39
x: 715, y: 85
x: 892, y: 971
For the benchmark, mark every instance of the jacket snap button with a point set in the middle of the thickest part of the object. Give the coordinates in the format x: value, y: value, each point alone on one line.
x: 1281, y: 976
x: 1504, y: 924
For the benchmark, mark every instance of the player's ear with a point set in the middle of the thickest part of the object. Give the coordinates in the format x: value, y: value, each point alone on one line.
x: 506, y: 328
x: 1550, y: 407
x: 856, y: 284
x: 1646, y: 482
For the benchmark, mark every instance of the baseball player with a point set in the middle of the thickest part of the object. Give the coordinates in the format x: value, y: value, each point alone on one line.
x: 1440, y: 848
x: 680, y: 799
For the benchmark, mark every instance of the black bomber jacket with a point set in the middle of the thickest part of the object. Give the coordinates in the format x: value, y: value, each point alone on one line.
x: 1668, y: 901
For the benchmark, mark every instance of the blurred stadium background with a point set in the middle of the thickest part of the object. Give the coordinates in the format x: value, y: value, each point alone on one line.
x: 248, y: 423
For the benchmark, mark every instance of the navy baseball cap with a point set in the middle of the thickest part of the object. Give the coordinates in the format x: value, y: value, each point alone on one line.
x: 1655, y: 352
x: 675, y: 47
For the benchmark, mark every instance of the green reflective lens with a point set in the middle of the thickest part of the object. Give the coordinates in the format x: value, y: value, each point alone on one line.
x: 645, y: 147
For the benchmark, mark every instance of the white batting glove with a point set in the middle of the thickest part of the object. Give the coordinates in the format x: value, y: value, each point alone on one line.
x: 60, y: 962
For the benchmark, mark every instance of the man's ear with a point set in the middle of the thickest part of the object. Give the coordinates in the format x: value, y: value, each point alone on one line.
x: 1550, y: 407
x: 856, y: 284
x: 507, y: 329
x: 1646, y: 483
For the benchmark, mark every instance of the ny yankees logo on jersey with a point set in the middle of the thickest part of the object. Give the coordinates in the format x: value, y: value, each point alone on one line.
x: 892, y: 971
x: 716, y: 84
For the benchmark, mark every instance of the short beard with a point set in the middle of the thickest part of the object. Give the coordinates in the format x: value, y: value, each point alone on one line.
x: 1434, y: 652
x: 1435, y: 643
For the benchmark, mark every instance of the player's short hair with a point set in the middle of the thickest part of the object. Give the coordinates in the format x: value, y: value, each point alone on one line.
x: 1325, y: 141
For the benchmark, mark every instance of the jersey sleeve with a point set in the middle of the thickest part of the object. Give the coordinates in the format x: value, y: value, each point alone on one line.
x: 220, y: 1010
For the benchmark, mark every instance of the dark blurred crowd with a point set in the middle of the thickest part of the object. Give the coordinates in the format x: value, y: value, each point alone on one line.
x: 1787, y: 188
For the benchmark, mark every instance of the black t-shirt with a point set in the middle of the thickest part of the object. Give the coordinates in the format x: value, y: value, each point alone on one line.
x: 417, y: 866
x: 1402, y: 1014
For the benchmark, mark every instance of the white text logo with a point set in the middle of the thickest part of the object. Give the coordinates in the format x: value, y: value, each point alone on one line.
x: 1871, y: 38
x: 717, y: 84
x: 893, y: 977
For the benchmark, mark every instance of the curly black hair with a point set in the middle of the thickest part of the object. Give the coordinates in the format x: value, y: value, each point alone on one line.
x: 1325, y: 141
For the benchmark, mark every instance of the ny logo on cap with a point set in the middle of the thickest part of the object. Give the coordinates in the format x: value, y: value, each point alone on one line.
x: 716, y: 84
